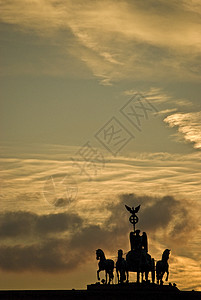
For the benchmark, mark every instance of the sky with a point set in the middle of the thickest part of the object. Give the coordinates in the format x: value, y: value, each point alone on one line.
x: 100, y: 107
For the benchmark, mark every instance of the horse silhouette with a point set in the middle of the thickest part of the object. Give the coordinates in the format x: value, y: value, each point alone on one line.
x: 162, y: 267
x: 121, y: 268
x: 106, y: 265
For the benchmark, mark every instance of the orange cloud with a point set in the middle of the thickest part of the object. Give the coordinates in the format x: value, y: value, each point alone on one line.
x: 188, y: 125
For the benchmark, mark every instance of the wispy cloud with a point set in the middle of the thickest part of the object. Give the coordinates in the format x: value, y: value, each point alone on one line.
x: 188, y: 125
x: 160, y: 98
x: 117, y: 40
x: 23, y: 179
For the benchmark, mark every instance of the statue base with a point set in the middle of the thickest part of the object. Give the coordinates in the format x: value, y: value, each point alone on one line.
x: 134, y: 286
x: 139, y: 291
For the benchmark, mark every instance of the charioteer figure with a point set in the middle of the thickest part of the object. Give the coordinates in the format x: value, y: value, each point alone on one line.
x: 136, y: 240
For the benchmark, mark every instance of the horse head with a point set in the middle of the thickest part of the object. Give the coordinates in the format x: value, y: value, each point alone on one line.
x: 99, y: 254
x: 120, y: 253
x: 166, y: 254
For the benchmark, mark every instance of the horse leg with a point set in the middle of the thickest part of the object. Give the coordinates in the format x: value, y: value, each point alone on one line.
x: 167, y: 270
x: 109, y: 273
x: 117, y: 276
x: 127, y: 276
x: 106, y: 277
x: 142, y: 276
x: 111, y: 276
x: 138, y: 276
x: 120, y: 276
x: 146, y: 275
x: 159, y: 276
x: 98, y: 277
x: 124, y: 275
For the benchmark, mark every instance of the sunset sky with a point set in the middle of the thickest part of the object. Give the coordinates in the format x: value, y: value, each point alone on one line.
x: 100, y: 107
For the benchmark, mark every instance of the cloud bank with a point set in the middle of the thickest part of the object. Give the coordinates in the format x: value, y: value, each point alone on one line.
x: 63, y: 241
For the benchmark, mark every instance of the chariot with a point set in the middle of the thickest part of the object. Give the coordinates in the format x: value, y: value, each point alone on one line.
x: 137, y: 259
